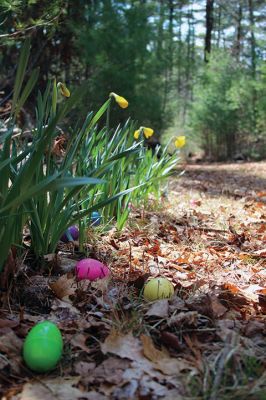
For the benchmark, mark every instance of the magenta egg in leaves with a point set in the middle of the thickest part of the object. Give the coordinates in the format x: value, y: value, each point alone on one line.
x: 91, y: 269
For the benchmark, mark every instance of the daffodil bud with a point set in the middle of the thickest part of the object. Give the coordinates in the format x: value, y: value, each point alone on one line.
x: 63, y: 89
x: 121, y: 101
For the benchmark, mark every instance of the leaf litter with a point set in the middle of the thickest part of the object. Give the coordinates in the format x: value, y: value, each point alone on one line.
x: 206, y: 342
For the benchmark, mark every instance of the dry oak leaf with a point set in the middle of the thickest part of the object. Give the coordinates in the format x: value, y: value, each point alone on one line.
x: 169, y: 339
x: 10, y: 343
x: 161, y: 359
x: 111, y: 370
x: 189, y: 318
x: 145, y: 388
x: 63, y: 310
x: 58, y: 388
x: 124, y: 346
x: 79, y: 341
x: 84, y: 368
x: 159, y: 309
x: 10, y: 350
x: 8, y: 323
x: 64, y: 287
x: 217, y: 307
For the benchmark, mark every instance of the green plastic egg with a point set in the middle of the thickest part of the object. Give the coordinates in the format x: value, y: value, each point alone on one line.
x: 158, y: 288
x: 43, y: 347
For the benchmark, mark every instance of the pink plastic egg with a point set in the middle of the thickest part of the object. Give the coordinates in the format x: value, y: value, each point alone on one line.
x: 91, y: 269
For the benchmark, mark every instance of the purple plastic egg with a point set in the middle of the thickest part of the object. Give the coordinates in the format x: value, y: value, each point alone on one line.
x: 91, y: 269
x: 72, y: 233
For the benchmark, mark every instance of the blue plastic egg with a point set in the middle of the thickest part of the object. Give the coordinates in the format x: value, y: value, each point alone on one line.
x: 95, y: 218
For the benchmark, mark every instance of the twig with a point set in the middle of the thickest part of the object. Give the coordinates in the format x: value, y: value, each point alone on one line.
x: 29, y: 28
x: 203, y: 229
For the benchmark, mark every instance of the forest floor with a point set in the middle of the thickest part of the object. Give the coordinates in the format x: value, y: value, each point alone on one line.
x: 208, y: 236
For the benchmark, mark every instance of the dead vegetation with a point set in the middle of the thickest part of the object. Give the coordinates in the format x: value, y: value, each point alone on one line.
x: 207, y: 342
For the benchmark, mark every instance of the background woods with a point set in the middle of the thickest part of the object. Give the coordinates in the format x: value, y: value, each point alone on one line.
x: 192, y: 67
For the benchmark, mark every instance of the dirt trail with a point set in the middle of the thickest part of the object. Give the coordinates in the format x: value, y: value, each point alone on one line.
x: 230, y: 185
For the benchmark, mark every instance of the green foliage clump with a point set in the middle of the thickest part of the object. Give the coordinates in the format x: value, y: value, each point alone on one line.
x: 226, y: 111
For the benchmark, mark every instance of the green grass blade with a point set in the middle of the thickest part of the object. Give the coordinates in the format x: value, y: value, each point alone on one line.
x: 22, y: 65
x: 27, y: 90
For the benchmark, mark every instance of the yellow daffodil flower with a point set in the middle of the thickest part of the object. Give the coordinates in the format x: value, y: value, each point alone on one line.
x: 121, y: 101
x: 63, y: 89
x: 180, y: 141
x: 136, y: 134
x: 148, y: 132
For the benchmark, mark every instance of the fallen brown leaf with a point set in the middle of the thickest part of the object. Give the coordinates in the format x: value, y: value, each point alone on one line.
x: 124, y: 346
x: 8, y: 323
x: 10, y: 349
x: 189, y: 318
x: 170, y: 340
x: 79, y: 341
x: 84, y: 368
x: 111, y: 370
x: 64, y: 287
x: 217, y: 307
x: 159, y: 309
x: 162, y: 361
x: 57, y: 388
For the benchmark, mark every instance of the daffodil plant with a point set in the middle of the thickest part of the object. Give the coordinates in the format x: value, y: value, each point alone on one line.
x: 53, y: 213
x: 27, y: 174
x: 62, y: 177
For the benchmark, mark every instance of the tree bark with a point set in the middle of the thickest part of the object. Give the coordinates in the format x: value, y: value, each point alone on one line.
x: 219, y: 17
x: 253, y: 63
x: 238, y: 33
x: 179, y: 51
x: 252, y: 36
x: 159, y: 47
x: 209, y: 28
x: 169, y: 61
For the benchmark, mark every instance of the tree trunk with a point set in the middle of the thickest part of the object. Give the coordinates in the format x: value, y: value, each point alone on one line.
x: 159, y: 47
x: 169, y: 54
x: 209, y: 28
x: 252, y: 37
x: 237, y: 47
x: 179, y: 51
x: 171, y: 34
x: 219, y: 17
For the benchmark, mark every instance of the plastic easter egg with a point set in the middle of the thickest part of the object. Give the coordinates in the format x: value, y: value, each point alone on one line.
x: 91, y: 269
x: 95, y: 218
x: 43, y: 347
x: 72, y: 233
x: 158, y: 288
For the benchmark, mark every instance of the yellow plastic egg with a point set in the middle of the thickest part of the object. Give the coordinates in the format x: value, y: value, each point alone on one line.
x: 158, y: 288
